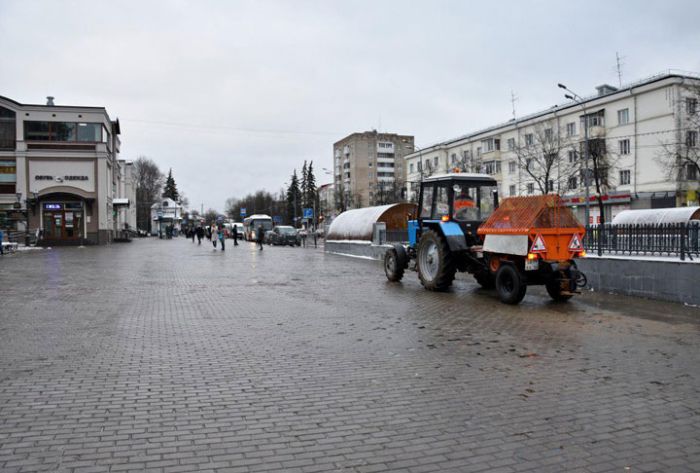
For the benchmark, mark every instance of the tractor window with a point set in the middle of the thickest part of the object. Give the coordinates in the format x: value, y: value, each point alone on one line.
x: 487, y: 201
x: 442, y: 203
x: 426, y: 204
x: 465, y: 203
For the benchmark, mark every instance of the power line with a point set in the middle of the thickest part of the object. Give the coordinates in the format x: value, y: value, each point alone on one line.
x: 234, y: 129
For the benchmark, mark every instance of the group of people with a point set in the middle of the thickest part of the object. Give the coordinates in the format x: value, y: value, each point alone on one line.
x: 217, y: 233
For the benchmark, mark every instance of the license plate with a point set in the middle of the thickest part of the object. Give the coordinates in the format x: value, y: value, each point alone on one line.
x: 532, y: 265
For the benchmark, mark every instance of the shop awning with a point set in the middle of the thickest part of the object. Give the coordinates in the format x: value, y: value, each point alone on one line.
x: 120, y: 202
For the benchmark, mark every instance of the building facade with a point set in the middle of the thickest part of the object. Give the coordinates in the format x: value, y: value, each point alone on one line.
x: 632, y: 133
x: 369, y: 169
x: 166, y: 215
x: 60, y: 177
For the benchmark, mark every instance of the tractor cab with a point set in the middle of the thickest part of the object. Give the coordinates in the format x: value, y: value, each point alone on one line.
x: 457, y: 203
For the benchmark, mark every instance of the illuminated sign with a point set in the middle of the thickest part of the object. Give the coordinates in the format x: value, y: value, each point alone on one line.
x: 53, y: 206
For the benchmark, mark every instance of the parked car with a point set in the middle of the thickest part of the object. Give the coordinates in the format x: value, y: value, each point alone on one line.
x: 284, y: 235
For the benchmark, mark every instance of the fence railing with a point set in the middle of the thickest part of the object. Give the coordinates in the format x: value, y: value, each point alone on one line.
x: 674, y: 239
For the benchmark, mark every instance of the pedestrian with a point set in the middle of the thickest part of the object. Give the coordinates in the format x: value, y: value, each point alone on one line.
x: 2, y: 238
x: 200, y: 234
x: 221, y: 234
x: 235, y: 234
x: 316, y: 238
x: 209, y: 232
x: 261, y: 236
x: 191, y: 234
x: 303, y: 234
x: 214, y: 234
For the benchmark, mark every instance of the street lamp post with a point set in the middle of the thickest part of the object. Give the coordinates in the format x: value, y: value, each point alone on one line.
x: 577, y: 98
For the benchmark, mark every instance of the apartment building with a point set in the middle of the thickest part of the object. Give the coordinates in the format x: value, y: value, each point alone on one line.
x: 634, y: 132
x: 60, y: 173
x: 369, y: 168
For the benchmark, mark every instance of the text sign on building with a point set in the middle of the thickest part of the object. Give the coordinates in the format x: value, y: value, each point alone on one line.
x: 53, y: 206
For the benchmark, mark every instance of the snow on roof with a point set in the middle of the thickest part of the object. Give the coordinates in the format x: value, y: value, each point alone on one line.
x: 357, y: 224
x: 657, y: 216
x: 459, y: 175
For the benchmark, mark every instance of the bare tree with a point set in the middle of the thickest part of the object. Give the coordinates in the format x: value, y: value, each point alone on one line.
x: 468, y: 163
x: 541, y: 155
x: 680, y: 155
x: 149, y: 183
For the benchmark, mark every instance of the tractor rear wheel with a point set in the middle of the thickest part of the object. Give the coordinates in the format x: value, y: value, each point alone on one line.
x: 395, y: 263
x: 436, y: 267
x: 554, y: 287
x: 510, y: 285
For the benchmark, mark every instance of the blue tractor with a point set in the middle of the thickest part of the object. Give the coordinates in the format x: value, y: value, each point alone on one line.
x: 450, y: 235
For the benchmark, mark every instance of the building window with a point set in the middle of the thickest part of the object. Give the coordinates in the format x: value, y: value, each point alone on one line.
x: 370, y: 165
x: 595, y: 119
x: 571, y: 129
x: 8, y: 128
x: 624, y: 146
x: 490, y: 167
x: 511, y: 144
x: 528, y: 164
x: 435, y: 161
x: 478, y: 151
x: 369, y: 175
x: 511, y: 190
x: 8, y: 176
x: 491, y: 144
x: 411, y: 167
x: 530, y: 188
x: 623, y: 116
x: 64, y: 132
x: 624, y: 177
x: 529, y: 139
x: 511, y: 167
x: 548, y: 134
x: 573, y: 183
x: 691, y: 105
x: 453, y: 158
x: 573, y: 156
x: 691, y: 139
x: 550, y: 185
x: 691, y: 172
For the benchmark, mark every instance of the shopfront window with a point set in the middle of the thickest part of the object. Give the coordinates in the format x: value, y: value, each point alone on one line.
x: 8, y: 176
x: 63, y: 221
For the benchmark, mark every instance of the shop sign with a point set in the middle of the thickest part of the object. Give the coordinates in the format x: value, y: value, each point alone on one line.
x: 53, y: 206
x: 45, y: 177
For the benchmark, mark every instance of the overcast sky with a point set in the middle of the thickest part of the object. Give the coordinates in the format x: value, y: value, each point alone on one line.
x: 234, y: 95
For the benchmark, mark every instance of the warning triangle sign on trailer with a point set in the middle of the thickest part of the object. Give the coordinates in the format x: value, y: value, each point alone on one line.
x: 538, y: 245
x: 575, y: 243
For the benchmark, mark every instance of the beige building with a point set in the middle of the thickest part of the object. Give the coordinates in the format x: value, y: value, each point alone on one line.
x: 637, y: 126
x: 59, y: 173
x: 369, y: 169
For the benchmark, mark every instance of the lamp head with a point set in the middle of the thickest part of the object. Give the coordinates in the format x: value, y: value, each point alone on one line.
x: 561, y: 86
x: 568, y: 97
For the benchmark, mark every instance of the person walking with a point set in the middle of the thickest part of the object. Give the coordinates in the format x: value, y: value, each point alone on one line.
x: 303, y: 233
x: 214, y: 234
x: 261, y: 236
x: 200, y: 234
x: 221, y: 235
x: 191, y: 234
x: 234, y: 229
x: 316, y: 238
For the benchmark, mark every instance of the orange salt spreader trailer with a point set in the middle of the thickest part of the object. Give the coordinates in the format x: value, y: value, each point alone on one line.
x: 533, y: 240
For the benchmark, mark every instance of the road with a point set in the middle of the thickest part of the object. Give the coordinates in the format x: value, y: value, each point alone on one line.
x: 162, y: 355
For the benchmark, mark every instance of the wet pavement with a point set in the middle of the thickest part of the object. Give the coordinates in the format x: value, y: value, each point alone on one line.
x: 165, y: 356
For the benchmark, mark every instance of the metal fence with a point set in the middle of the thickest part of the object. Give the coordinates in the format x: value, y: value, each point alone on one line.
x: 675, y: 239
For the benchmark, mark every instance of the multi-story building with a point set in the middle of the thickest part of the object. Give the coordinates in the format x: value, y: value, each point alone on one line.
x: 326, y: 200
x: 59, y: 173
x: 634, y: 134
x: 368, y: 168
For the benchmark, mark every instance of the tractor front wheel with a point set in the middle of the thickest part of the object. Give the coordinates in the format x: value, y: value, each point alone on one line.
x: 436, y: 267
x: 395, y: 263
x: 510, y: 284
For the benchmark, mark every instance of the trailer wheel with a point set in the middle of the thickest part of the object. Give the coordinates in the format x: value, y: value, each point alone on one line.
x: 510, y: 285
x: 436, y: 267
x: 395, y: 263
x: 554, y: 287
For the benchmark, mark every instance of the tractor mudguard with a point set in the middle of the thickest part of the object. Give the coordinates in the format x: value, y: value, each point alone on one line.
x: 454, y: 236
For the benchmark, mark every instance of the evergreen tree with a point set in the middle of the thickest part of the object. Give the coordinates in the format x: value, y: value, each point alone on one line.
x: 170, y: 187
x: 304, y: 186
x: 311, y: 190
x: 294, y: 198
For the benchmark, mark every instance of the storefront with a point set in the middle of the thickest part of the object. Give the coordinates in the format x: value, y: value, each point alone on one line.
x: 63, y: 221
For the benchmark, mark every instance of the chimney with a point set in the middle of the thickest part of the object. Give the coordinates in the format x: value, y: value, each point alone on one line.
x: 605, y: 89
x: 49, y: 101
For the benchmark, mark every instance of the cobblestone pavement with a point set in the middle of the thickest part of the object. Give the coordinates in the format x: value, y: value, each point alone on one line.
x: 166, y: 356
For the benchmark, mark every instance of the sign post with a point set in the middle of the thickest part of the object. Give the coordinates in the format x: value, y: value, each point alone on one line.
x: 243, y: 212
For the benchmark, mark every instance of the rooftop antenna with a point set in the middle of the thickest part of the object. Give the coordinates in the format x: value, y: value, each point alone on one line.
x: 513, y: 99
x: 618, y: 66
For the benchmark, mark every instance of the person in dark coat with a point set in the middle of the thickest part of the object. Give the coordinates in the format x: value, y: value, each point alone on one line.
x: 200, y: 234
x: 235, y: 235
x: 261, y: 236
